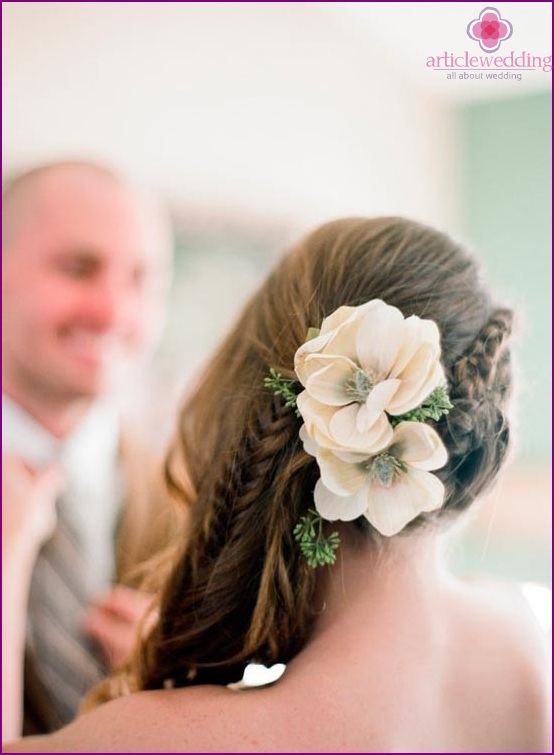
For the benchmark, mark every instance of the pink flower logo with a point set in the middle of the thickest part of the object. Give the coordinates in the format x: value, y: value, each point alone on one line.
x: 489, y: 29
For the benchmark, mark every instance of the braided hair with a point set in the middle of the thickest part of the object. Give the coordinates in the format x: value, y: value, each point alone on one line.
x: 477, y: 426
x: 238, y: 589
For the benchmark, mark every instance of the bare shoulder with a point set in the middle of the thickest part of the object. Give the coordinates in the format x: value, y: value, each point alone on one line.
x: 515, y: 609
x: 199, y: 719
x: 517, y: 648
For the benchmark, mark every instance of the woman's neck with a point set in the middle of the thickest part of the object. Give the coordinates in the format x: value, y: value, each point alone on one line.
x: 405, y: 575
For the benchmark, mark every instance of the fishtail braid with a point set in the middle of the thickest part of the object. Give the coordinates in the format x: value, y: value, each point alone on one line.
x: 476, y: 430
x: 240, y: 573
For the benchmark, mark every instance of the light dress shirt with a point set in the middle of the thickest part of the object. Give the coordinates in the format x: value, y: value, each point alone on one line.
x: 89, y: 460
x: 74, y: 565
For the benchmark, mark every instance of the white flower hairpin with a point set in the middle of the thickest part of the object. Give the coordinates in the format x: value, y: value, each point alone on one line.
x: 371, y: 379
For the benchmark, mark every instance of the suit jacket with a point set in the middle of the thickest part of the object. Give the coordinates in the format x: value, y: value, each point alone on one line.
x: 146, y: 523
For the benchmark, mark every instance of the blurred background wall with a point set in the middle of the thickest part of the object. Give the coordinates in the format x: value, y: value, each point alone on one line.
x: 257, y: 121
x: 506, y: 151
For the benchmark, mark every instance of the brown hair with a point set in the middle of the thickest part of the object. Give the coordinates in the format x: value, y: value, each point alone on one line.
x: 239, y: 589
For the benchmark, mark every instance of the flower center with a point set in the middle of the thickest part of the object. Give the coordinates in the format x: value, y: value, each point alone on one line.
x: 359, y: 386
x: 384, y: 468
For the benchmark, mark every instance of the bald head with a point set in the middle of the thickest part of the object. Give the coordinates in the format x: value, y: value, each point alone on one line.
x: 21, y: 193
x: 85, y: 263
x: 58, y: 188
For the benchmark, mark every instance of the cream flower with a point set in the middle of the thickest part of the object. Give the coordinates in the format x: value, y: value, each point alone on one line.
x: 390, y: 488
x: 366, y: 360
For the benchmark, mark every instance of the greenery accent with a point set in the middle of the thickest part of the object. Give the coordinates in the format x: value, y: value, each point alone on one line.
x: 433, y: 407
x: 288, y: 388
x: 317, y: 549
x: 312, y: 333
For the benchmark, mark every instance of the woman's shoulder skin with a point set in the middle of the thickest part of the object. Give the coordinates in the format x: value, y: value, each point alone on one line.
x: 477, y: 684
x: 181, y: 720
x: 199, y: 719
x: 501, y: 677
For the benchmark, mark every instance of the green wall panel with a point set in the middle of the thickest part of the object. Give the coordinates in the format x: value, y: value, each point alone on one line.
x: 506, y: 159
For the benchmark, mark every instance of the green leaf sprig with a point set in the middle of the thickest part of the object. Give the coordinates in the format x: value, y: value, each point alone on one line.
x: 288, y: 388
x: 317, y: 549
x: 433, y: 407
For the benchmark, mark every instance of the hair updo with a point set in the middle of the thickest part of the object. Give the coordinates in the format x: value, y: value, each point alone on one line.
x: 240, y: 589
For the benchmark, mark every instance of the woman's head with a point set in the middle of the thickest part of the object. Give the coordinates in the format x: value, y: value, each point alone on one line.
x: 241, y: 590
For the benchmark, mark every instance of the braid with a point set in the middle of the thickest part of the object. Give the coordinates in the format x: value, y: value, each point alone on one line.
x: 477, y: 428
x: 239, y: 577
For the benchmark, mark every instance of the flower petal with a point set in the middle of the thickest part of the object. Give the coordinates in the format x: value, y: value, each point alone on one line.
x: 418, y: 379
x: 327, y: 384
x: 379, y: 337
x: 337, y: 318
x: 303, y: 365
x: 343, y: 340
x: 432, y: 380
x: 313, y: 412
x: 332, y: 507
x: 416, y: 332
x: 418, y: 365
x: 338, y: 476
x: 418, y: 445
x: 317, y: 418
x: 343, y: 431
x: 350, y: 457
x: 391, y: 508
x: 310, y: 446
x: 382, y: 433
x: 343, y: 425
x: 307, y: 349
x: 337, y: 336
x: 377, y: 401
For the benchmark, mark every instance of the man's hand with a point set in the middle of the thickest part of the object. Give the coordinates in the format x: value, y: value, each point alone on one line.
x: 28, y: 518
x: 28, y: 504
x: 114, y: 621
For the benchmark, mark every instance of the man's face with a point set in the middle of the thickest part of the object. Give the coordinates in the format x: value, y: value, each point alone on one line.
x: 84, y: 272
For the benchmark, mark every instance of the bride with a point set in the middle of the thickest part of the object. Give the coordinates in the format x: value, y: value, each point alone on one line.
x: 356, y: 409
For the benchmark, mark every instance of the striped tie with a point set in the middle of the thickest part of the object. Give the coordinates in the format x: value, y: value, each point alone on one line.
x: 61, y: 662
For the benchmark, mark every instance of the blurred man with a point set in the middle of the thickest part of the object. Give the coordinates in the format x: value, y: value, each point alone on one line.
x: 85, y: 269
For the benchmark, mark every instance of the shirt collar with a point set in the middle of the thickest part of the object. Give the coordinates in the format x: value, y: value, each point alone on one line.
x: 91, y: 445
x: 25, y: 437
